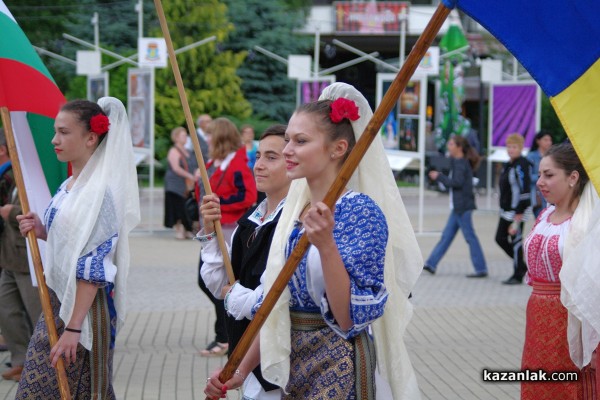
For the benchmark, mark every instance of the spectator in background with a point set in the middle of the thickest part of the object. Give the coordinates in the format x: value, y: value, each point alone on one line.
x: 464, y: 161
x: 247, y: 132
x: 7, y: 183
x: 541, y: 144
x: 179, y: 181
x: 20, y: 305
x: 515, y: 200
x: 201, y: 124
x: 232, y: 179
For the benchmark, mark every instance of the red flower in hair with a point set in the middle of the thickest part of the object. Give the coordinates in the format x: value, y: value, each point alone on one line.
x: 99, y: 124
x: 343, y: 108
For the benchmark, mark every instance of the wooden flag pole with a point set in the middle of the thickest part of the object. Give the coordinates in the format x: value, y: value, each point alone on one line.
x: 192, y: 130
x: 361, y: 147
x: 63, y: 384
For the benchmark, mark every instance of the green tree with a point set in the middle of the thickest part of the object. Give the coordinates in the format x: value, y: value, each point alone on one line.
x: 269, y: 24
x: 44, y: 24
x: 208, y: 72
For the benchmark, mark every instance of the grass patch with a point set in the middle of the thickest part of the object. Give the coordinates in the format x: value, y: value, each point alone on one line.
x: 400, y: 183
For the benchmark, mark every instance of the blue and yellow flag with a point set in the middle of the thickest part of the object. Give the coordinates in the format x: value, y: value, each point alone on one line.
x: 558, y: 42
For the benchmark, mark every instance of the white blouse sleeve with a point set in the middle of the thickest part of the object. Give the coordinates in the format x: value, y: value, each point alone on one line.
x: 240, y: 301
x: 213, y: 270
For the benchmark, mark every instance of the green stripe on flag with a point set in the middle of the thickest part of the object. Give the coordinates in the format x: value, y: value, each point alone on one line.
x: 16, y: 46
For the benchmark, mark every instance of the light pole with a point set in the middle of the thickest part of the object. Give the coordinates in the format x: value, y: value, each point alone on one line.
x: 403, y: 17
x: 139, y: 8
x: 94, y: 22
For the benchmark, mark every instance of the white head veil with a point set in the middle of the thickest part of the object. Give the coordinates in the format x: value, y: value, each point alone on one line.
x: 104, y: 200
x: 580, y: 278
x: 403, y: 264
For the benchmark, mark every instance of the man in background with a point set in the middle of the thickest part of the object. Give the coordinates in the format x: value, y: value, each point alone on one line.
x: 20, y: 305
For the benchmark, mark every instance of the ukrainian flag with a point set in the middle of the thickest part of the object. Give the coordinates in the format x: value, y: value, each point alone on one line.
x: 558, y: 42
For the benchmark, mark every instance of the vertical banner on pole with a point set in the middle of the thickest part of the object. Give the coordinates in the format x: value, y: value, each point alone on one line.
x: 403, y: 131
x: 140, y: 104
x: 514, y: 107
x: 310, y: 89
x: 97, y: 86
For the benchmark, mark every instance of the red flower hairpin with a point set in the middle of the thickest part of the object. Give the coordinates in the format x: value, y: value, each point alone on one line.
x: 343, y: 108
x: 99, y: 124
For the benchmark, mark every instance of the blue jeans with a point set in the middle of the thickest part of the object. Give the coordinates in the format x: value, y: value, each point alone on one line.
x: 455, y: 222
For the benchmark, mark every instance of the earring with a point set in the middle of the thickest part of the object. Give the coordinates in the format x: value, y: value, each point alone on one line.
x: 332, y: 156
x: 571, y: 185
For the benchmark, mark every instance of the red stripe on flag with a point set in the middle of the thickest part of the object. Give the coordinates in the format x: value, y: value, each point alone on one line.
x: 23, y: 88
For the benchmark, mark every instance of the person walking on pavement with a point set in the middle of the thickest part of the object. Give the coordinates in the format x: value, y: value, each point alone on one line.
x: 515, y: 200
x: 463, y: 161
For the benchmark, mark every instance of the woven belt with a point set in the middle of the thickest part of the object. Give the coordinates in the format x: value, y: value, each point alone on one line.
x: 546, y: 288
x: 306, y: 321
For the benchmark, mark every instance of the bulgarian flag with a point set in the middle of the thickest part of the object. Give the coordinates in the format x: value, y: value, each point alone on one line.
x: 558, y: 42
x: 28, y: 91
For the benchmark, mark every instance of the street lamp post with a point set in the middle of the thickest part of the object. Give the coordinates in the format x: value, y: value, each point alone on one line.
x: 139, y: 8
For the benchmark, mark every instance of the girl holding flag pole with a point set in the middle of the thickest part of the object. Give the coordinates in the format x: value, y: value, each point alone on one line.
x: 86, y: 227
x: 363, y: 256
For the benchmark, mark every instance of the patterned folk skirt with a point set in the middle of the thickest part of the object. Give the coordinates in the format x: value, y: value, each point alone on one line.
x: 547, y: 348
x: 324, y: 365
x: 89, y: 377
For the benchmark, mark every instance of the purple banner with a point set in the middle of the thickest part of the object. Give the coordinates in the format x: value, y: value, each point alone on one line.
x: 311, y: 90
x: 514, y: 111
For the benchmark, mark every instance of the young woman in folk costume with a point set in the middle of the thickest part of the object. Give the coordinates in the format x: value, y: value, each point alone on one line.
x: 250, y: 245
x: 86, y: 228
x: 363, y: 256
x: 556, y: 249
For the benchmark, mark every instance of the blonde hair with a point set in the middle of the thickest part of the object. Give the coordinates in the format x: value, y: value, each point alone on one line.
x: 176, y: 131
x: 225, y: 138
x: 515, y: 138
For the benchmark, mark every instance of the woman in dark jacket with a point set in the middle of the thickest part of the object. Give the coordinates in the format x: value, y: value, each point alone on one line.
x: 464, y: 160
